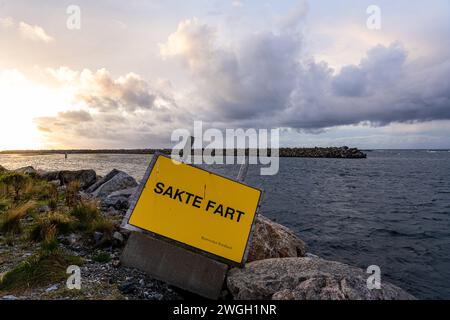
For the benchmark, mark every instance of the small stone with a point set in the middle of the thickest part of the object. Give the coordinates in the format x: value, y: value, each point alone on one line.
x: 57, y: 183
x: 128, y: 287
x: 116, y: 263
x: 98, y: 236
x: 44, y: 209
x: 118, y: 236
x: 10, y: 297
x: 158, y: 296
x: 73, y: 238
x: 52, y: 288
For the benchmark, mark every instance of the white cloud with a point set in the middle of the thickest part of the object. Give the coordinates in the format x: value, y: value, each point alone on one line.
x: 111, y: 111
x: 6, y: 22
x: 297, y: 14
x: 237, y: 3
x: 34, y: 33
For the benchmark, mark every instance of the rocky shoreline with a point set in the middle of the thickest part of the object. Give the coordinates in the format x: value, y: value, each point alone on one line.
x: 330, y: 152
x: 279, y: 265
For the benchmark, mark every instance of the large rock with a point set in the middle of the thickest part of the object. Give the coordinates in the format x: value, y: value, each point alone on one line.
x: 3, y: 169
x: 103, y: 180
x: 119, y: 181
x: 26, y: 170
x: 49, y: 175
x: 119, y: 200
x: 306, y: 279
x: 85, y: 177
x: 273, y: 240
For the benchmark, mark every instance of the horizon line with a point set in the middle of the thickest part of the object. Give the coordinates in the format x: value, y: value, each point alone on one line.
x: 150, y: 150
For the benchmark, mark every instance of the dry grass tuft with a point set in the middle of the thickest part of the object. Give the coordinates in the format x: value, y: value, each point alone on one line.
x: 39, y: 270
x: 72, y: 193
x: 61, y: 223
x: 10, y: 221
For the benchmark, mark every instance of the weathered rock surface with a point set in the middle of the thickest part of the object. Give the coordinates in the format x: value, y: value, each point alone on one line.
x: 273, y: 240
x: 103, y: 180
x: 118, y: 181
x: 26, y: 170
x: 85, y: 177
x: 119, y: 200
x: 306, y: 279
x: 49, y: 175
x: 3, y: 169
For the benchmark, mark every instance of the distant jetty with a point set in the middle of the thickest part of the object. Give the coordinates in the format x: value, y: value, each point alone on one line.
x: 330, y: 152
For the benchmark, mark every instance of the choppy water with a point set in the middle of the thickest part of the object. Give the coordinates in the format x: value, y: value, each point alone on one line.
x: 391, y: 209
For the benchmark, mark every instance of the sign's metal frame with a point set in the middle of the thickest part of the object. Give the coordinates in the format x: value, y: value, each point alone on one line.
x: 135, y: 198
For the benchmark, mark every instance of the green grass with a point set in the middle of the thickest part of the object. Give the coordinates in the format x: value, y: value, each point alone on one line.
x: 22, y: 187
x: 21, y: 194
x: 61, y: 223
x: 14, y: 183
x: 84, y: 217
x: 102, y: 257
x: 42, y: 190
x: 4, y: 205
x: 39, y: 270
x: 89, y: 218
x: 53, y: 204
x: 85, y: 213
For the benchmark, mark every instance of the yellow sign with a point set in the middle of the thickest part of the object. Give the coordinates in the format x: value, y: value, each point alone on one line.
x: 197, y: 208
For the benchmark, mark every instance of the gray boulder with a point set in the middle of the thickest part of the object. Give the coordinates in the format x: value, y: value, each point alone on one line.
x: 273, y: 240
x: 119, y: 181
x: 103, y: 180
x: 117, y: 239
x: 118, y: 200
x: 85, y: 177
x: 49, y: 175
x: 26, y: 170
x: 307, y: 279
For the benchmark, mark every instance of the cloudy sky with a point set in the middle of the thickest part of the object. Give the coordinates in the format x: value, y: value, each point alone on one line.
x: 137, y: 70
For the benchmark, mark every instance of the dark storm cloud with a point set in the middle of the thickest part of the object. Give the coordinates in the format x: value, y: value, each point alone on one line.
x: 350, y: 82
x: 265, y: 79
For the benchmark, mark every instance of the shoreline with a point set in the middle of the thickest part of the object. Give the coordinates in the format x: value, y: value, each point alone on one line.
x: 274, y: 252
x: 316, y: 152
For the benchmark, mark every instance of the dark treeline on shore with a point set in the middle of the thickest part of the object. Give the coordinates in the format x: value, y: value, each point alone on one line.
x: 330, y: 152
